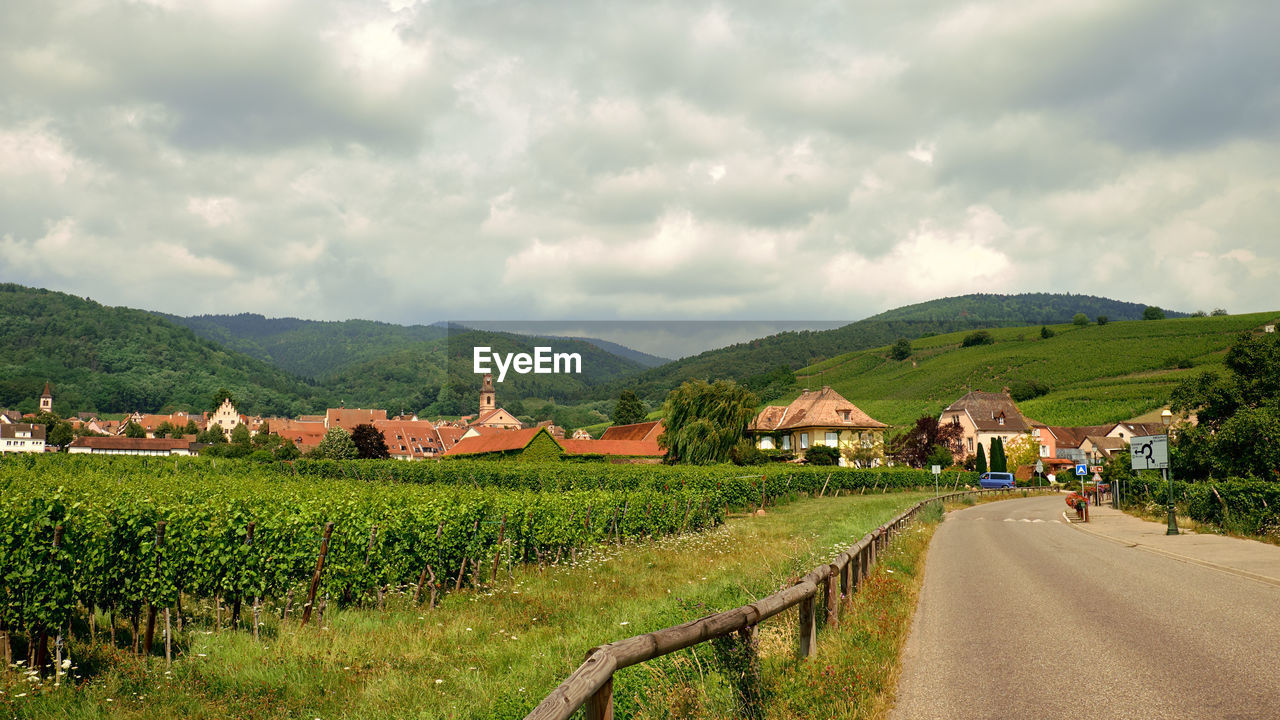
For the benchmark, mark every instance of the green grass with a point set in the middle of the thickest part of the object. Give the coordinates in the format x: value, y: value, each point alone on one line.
x: 495, y: 652
x: 1096, y: 373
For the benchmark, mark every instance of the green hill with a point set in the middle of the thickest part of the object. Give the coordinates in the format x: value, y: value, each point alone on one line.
x: 1094, y: 374
x: 112, y: 359
x: 310, y: 348
x: 759, y: 362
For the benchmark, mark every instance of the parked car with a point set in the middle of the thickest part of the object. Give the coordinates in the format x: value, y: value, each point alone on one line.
x: 995, y: 480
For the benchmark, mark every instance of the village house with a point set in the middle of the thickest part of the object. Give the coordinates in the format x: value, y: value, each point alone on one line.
x: 22, y: 438
x: 984, y: 416
x: 490, y: 414
x: 130, y: 446
x: 822, y: 417
x: 538, y: 444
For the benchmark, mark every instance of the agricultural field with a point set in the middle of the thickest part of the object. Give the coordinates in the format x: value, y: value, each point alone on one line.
x: 428, y: 588
x: 1095, y: 374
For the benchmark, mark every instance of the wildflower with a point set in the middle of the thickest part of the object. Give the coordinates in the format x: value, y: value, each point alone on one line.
x: 438, y: 681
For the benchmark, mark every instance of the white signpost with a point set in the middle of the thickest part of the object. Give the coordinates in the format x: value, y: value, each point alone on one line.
x: 1149, y: 452
x: 937, y: 470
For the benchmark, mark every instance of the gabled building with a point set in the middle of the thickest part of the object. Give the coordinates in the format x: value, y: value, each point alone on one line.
x: 410, y: 439
x: 22, y: 438
x: 490, y: 414
x: 46, y: 398
x: 349, y: 418
x: 822, y: 417
x: 984, y: 416
x: 648, y: 431
x: 130, y: 446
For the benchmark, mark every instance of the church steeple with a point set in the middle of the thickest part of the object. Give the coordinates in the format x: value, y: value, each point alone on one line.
x: 46, y: 398
x: 488, y: 399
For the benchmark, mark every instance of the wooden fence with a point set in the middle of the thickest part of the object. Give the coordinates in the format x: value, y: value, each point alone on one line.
x: 591, y: 685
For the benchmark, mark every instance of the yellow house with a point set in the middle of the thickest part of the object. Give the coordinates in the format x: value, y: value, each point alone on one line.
x: 823, y: 417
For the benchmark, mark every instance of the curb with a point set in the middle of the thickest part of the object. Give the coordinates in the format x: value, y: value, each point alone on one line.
x: 1182, y: 558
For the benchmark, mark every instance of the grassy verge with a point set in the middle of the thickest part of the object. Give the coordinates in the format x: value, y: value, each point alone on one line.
x: 483, y: 654
x: 853, y: 675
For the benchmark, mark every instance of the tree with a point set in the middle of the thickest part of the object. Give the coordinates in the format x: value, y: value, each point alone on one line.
x: 336, y: 445
x: 914, y: 447
x: 629, y: 409
x: 212, y: 435
x: 370, y: 445
x: 59, y: 434
x: 998, y: 461
x: 1080, y: 320
x: 163, y: 430
x: 218, y: 397
x: 1045, y: 332
x: 287, y: 451
x: 1022, y: 450
x: 1151, y: 312
x: 981, y: 337
x: 901, y: 349
x: 940, y: 456
x: 705, y: 420
x: 1199, y: 313
x: 191, y: 428
x: 1218, y: 312
x: 1103, y: 320
x: 134, y: 430
x: 981, y: 465
x: 240, y: 434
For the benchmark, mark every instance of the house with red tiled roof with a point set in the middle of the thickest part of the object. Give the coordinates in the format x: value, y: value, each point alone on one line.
x: 349, y: 418
x: 635, y: 431
x: 410, y: 439
x: 984, y: 416
x: 130, y: 446
x: 539, y: 444
x: 822, y: 417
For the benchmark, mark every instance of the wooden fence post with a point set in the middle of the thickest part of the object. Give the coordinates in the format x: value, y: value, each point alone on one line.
x: 846, y: 575
x: 808, y: 631
x: 600, y: 705
x: 315, y: 577
x: 833, y: 597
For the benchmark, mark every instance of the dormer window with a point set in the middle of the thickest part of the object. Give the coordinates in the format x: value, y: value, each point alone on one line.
x: 1000, y: 420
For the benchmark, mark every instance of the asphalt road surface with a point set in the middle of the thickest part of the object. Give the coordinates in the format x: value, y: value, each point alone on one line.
x: 1023, y: 616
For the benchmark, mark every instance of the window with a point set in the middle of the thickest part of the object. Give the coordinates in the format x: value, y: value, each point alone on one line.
x: 766, y: 443
x: 970, y: 444
x: 804, y: 441
x: 867, y: 440
x: 786, y: 442
x: 1000, y: 420
x: 833, y: 439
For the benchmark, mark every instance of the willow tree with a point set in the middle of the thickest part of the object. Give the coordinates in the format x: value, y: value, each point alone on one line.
x: 705, y: 420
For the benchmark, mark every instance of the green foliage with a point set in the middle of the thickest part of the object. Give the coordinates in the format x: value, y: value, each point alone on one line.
x: 939, y: 455
x: 240, y: 434
x: 981, y: 337
x: 212, y: 435
x: 822, y: 455
x: 981, y: 466
x: 1151, y: 312
x: 336, y: 445
x: 542, y: 448
x: 999, y: 463
x: 1102, y: 320
x: 1218, y: 312
x: 705, y: 420
x: 746, y: 453
x: 134, y: 430
x: 1027, y: 389
x: 112, y: 360
x: 919, y: 445
x: 219, y: 397
x: 901, y: 349
x: 1080, y: 320
x: 629, y: 409
x: 370, y: 445
x: 1046, y: 333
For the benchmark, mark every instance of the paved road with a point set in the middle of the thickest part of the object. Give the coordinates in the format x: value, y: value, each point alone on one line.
x: 1023, y: 616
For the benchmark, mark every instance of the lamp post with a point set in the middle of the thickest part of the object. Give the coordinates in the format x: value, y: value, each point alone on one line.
x: 1166, y: 417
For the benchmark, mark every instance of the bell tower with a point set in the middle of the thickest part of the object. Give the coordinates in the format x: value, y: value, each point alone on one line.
x: 488, y: 400
x: 46, y: 398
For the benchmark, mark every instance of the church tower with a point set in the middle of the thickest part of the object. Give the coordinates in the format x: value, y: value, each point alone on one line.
x: 488, y: 400
x: 46, y: 398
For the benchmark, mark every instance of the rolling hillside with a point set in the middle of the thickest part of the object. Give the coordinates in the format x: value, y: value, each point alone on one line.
x: 753, y: 361
x: 112, y: 359
x: 1095, y: 374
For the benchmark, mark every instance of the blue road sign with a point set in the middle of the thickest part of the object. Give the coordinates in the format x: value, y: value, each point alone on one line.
x: 1082, y: 470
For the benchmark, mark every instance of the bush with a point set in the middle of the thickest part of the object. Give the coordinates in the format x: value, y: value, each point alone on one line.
x: 822, y: 455
x: 1103, y: 320
x: 1080, y: 320
x: 1045, y: 332
x: 746, y: 453
x: 1151, y: 312
x: 901, y: 349
x: 1027, y: 389
x: 981, y: 337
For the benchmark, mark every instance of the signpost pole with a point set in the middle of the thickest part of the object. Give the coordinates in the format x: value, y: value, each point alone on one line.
x: 1173, y: 512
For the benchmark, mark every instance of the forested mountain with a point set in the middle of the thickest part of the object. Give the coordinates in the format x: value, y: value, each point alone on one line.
x: 763, y: 363
x: 310, y: 348
x: 111, y: 359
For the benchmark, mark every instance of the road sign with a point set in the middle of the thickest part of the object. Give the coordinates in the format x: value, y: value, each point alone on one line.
x: 1082, y: 469
x: 1039, y: 467
x: 1149, y: 452
x: 937, y: 470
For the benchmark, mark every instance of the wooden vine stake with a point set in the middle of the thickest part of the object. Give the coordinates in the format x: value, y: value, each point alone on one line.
x: 493, y: 576
x: 151, y: 605
x: 315, y: 577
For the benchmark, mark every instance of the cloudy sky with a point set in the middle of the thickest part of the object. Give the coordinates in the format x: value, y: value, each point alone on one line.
x: 414, y: 161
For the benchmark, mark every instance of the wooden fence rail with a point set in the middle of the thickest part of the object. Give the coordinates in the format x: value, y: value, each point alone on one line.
x: 591, y: 685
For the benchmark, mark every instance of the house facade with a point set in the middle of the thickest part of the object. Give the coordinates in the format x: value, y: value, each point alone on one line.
x: 129, y: 446
x: 984, y: 416
x: 22, y: 438
x: 822, y: 417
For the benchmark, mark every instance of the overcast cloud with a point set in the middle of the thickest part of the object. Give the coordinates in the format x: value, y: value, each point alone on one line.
x: 413, y: 161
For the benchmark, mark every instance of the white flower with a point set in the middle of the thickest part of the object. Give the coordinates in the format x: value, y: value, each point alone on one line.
x: 438, y: 681
x: 66, y: 663
x: 625, y: 622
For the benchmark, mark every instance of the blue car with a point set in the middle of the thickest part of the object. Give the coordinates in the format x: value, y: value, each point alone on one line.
x: 995, y: 480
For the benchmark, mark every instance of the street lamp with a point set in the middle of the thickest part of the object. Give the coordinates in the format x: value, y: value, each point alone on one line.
x: 1166, y: 417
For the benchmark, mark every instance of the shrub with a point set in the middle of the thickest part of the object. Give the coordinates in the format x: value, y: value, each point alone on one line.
x: 1151, y: 312
x: 901, y: 349
x: 1103, y: 320
x: 1045, y: 332
x: 1027, y: 389
x: 822, y: 455
x: 746, y: 453
x: 1080, y: 320
x: 981, y: 337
